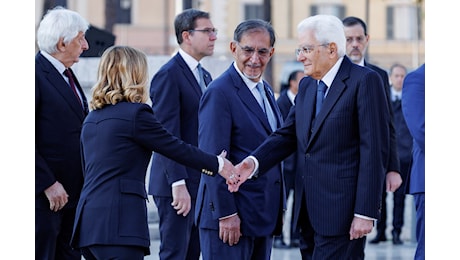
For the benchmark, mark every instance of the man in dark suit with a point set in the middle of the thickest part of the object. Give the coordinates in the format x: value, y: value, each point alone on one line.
x: 413, y: 107
x: 235, y: 116
x: 285, y: 102
x: 59, y: 114
x: 342, y: 151
x: 175, y: 92
x: 397, y: 74
x: 357, y: 42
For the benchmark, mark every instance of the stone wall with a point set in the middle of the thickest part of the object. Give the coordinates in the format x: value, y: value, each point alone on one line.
x: 86, y: 69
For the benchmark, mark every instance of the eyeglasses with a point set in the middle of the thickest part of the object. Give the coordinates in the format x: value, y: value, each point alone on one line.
x: 308, y: 49
x: 209, y: 31
x: 249, y: 51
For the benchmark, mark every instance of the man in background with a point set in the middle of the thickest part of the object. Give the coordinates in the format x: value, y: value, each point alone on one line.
x: 357, y: 42
x: 285, y: 102
x: 397, y: 74
x: 175, y: 92
x: 60, y: 108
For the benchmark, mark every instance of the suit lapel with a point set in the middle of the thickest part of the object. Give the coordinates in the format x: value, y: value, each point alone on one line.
x: 188, y: 75
x: 333, y: 96
x: 248, y: 99
x: 61, y: 86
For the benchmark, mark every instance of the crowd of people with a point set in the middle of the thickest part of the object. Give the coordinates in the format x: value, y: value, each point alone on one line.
x: 225, y: 153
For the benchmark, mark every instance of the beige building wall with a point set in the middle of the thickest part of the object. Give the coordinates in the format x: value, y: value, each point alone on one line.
x: 152, y: 29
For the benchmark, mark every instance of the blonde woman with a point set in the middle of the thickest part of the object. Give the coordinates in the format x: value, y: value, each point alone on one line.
x: 117, y: 141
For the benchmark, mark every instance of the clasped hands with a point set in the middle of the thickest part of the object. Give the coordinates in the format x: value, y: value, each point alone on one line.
x: 238, y: 174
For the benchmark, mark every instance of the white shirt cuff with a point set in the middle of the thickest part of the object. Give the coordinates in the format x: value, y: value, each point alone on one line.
x: 177, y: 183
x: 364, y: 217
x: 256, y: 166
x: 234, y: 214
x: 221, y: 163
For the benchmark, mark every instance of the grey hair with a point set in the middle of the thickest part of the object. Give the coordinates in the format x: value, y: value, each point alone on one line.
x: 327, y: 29
x: 59, y: 23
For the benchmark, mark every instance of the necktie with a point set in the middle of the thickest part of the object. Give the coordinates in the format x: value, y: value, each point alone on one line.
x: 201, y: 75
x: 320, y: 92
x: 266, y: 107
x: 68, y: 74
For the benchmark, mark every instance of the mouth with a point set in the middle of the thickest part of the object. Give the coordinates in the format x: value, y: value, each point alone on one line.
x: 355, y: 52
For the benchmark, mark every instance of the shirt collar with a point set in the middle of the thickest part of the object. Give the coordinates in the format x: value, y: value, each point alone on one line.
x: 291, y: 96
x: 330, y: 75
x: 249, y: 83
x: 189, y: 60
x: 55, y: 62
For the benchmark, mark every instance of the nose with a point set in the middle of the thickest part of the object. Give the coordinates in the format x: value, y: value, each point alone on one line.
x: 300, y: 57
x: 255, y: 56
x: 85, y: 44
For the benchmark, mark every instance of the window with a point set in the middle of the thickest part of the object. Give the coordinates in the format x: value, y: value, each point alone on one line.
x: 332, y: 9
x: 124, y: 12
x: 403, y: 22
x: 253, y: 11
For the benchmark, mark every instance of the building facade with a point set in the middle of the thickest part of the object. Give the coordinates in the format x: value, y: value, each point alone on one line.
x: 396, y: 27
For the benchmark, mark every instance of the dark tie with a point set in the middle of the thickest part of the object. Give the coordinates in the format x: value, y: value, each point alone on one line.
x: 201, y: 74
x: 266, y: 107
x: 68, y: 74
x: 321, y: 91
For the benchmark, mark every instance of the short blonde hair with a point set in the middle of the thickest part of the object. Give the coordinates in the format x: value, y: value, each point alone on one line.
x: 122, y: 76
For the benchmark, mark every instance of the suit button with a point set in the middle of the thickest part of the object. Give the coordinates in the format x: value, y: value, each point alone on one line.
x: 307, y: 155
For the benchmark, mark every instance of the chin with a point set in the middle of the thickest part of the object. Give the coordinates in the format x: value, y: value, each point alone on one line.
x: 252, y: 76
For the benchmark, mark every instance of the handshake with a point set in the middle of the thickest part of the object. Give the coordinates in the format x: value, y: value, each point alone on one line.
x: 236, y: 175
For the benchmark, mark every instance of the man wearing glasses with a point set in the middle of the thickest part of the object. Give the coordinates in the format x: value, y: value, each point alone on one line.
x: 237, y: 113
x: 175, y: 92
x: 339, y: 128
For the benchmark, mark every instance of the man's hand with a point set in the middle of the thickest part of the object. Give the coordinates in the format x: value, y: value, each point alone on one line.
x: 244, y: 169
x: 228, y: 173
x: 360, y: 227
x: 229, y: 230
x: 393, y: 181
x: 182, y: 201
x: 57, y: 196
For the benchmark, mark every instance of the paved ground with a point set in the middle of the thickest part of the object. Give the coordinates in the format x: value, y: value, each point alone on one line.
x: 381, y: 251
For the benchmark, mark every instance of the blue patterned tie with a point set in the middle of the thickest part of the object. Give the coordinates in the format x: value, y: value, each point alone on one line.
x: 266, y: 107
x: 202, y: 83
x: 321, y: 91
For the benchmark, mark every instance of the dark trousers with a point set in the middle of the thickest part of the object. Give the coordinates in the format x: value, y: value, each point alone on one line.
x: 419, y: 199
x: 102, y: 252
x: 399, y: 198
x: 248, y: 248
x: 314, y: 246
x: 178, y: 234
x: 53, y: 231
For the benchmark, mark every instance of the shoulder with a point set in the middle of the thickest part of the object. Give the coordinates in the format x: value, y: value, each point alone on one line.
x: 223, y: 80
x: 416, y: 79
x: 383, y: 73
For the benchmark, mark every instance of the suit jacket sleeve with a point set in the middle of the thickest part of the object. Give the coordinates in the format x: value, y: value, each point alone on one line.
x: 393, y: 163
x: 413, y: 106
x: 155, y: 137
